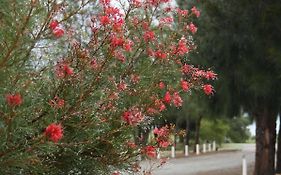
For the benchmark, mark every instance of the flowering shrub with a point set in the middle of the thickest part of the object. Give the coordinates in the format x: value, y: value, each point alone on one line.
x: 80, y: 109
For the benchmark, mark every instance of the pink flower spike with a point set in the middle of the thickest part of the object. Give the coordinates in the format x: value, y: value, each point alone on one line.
x: 208, y: 89
x: 53, y: 24
x: 58, y: 32
x: 54, y: 132
x: 195, y: 11
x: 14, y: 99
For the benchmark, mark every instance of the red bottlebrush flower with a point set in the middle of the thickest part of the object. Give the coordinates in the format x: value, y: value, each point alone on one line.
x: 208, y: 89
x: 150, y: 151
x: 122, y: 86
x: 115, y: 173
x: 185, y: 69
x: 192, y: 28
x: 161, y: 132
x: 54, y: 132
x: 159, y: 105
x: 115, y: 41
x: 118, y: 24
x: 135, y: 78
x: 159, y: 54
x: 13, y: 99
x: 131, y: 145
x: 167, y: 97
x: 62, y: 70
x: 104, y: 2
x: 184, y: 85
x: 164, y: 143
x: 127, y: 46
x: 136, y: 3
x: 119, y: 56
x: 182, y: 12
x: 58, y: 32
x: 177, y: 99
x: 195, y: 11
x: 94, y: 64
x: 210, y: 75
x: 148, y: 36
x: 104, y: 20
x: 53, y: 24
x: 133, y: 116
x: 57, y: 102
x: 182, y: 48
x: 112, y: 11
x: 161, y: 85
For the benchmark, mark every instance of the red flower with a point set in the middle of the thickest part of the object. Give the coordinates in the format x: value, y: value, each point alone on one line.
x: 115, y: 173
x: 13, y: 99
x: 186, y: 69
x: 131, y: 145
x: 57, y: 102
x: 62, y: 70
x: 161, y: 85
x: 148, y: 36
x: 58, y: 32
x: 54, y: 132
x: 150, y: 151
x: 182, y: 48
x: 164, y: 143
x: 184, y: 85
x: 167, y: 97
x: 53, y: 24
x: 177, y: 99
x: 192, y: 28
x: 161, y: 132
x: 104, y: 20
x: 182, y: 12
x: 133, y: 117
x: 159, y: 54
x: 208, y: 89
x: 210, y: 75
x: 195, y: 11
x: 122, y: 86
x: 117, y: 25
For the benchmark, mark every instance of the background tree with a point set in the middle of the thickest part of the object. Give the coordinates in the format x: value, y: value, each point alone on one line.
x: 241, y: 41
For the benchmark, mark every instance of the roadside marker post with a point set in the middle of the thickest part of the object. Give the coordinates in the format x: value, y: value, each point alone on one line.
x: 173, y: 154
x: 197, y: 149
x: 158, y: 153
x: 204, y: 148
x: 186, y: 150
x: 244, y: 165
x: 209, y: 147
x: 214, y: 145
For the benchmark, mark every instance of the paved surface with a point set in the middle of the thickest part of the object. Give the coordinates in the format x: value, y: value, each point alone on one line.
x: 203, y: 164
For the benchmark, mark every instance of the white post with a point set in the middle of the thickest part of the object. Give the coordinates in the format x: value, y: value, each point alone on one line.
x: 197, y: 149
x: 214, y: 145
x: 204, y: 148
x: 186, y: 150
x: 173, y: 154
x: 158, y: 153
x: 209, y: 147
x: 244, y: 166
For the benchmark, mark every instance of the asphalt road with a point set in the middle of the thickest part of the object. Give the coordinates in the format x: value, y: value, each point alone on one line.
x: 203, y: 164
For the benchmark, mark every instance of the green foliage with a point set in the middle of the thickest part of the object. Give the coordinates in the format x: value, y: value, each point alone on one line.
x: 214, y: 130
x: 238, y: 131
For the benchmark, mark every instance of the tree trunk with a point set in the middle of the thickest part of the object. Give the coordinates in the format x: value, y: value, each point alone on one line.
x: 197, y: 132
x: 265, y: 141
x: 278, y: 166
